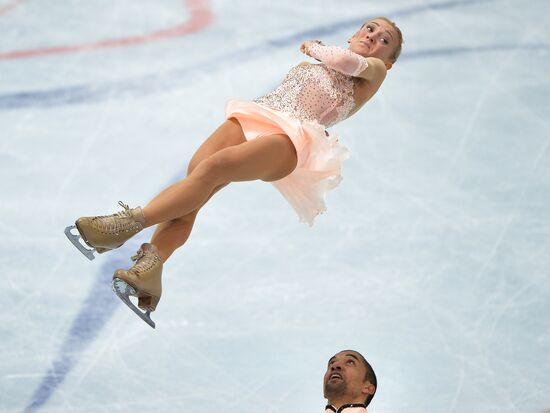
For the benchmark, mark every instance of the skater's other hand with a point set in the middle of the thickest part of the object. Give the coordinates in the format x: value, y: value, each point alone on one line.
x: 304, y: 47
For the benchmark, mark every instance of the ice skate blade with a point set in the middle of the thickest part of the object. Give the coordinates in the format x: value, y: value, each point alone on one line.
x: 124, y: 291
x: 75, y: 240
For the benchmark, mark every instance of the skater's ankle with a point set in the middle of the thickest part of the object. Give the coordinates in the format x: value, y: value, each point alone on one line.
x: 139, y: 216
x: 163, y: 254
x: 146, y: 218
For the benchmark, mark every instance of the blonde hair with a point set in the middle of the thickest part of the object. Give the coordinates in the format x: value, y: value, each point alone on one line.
x: 397, y: 50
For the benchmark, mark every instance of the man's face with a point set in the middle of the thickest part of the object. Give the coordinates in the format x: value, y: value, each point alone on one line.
x: 344, y: 379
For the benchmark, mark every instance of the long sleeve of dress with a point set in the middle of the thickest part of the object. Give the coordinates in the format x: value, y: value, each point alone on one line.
x: 342, y: 60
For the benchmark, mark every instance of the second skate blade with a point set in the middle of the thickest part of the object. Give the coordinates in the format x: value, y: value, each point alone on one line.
x: 124, y: 290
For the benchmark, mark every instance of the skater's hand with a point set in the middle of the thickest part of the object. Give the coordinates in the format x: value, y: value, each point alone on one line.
x: 304, y: 47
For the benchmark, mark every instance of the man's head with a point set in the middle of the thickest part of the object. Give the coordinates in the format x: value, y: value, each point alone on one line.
x: 379, y: 38
x: 349, y: 379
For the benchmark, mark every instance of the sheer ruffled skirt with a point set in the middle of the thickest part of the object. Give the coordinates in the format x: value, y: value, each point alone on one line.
x: 319, y: 156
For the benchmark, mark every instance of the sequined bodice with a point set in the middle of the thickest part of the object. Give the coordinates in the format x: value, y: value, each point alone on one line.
x: 313, y: 92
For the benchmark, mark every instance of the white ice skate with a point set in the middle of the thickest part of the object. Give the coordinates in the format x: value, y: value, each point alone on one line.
x: 143, y: 280
x: 105, y: 233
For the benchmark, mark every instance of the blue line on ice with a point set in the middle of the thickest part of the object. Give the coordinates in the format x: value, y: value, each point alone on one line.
x: 148, y: 84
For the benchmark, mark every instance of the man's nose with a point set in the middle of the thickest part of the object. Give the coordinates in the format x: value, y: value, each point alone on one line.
x: 336, y: 366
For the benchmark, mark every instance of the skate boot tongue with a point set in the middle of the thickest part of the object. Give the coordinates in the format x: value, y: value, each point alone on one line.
x: 147, y: 247
x: 139, y: 255
x: 136, y: 214
x: 120, y: 221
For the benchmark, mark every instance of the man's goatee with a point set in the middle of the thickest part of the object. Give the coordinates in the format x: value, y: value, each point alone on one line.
x: 335, y: 390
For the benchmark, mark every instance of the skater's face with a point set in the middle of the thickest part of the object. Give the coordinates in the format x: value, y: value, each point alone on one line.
x: 376, y: 38
x: 345, y: 379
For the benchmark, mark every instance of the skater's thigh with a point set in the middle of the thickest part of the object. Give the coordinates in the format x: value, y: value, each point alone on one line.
x: 268, y: 158
x: 228, y: 134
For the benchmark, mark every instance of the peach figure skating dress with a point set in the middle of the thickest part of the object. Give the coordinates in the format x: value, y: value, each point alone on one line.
x: 311, y: 98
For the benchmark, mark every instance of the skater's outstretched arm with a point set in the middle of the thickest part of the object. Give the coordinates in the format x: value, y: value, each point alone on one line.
x: 345, y: 61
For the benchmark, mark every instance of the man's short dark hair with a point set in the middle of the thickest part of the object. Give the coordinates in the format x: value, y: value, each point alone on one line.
x: 370, y: 376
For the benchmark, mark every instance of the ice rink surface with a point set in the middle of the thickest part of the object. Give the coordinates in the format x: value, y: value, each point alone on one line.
x: 433, y: 259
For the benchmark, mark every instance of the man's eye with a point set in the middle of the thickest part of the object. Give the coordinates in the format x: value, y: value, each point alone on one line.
x: 351, y: 362
x: 385, y: 41
x: 369, y: 28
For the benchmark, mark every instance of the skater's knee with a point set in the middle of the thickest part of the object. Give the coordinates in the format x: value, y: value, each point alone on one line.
x: 215, y: 167
x: 191, y: 167
x: 210, y: 164
x: 193, y: 163
x: 185, y: 220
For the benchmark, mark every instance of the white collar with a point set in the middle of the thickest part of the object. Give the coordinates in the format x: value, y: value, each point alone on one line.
x: 349, y: 408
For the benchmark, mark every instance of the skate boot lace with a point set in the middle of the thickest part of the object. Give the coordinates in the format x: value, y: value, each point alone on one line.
x: 121, y: 221
x: 144, y: 261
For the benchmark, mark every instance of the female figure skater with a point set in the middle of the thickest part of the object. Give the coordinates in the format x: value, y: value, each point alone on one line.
x: 279, y: 138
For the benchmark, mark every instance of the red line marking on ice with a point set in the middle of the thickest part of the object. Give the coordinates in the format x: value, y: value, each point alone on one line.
x: 10, y: 6
x: 201, y: 16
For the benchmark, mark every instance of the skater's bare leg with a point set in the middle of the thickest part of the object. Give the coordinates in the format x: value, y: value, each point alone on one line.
x: 228, y: 134
x: 268, y: 158
x: 173, y: 234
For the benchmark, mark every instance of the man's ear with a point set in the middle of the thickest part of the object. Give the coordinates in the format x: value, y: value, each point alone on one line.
x: 368, y: 388
x: 388, y: 66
